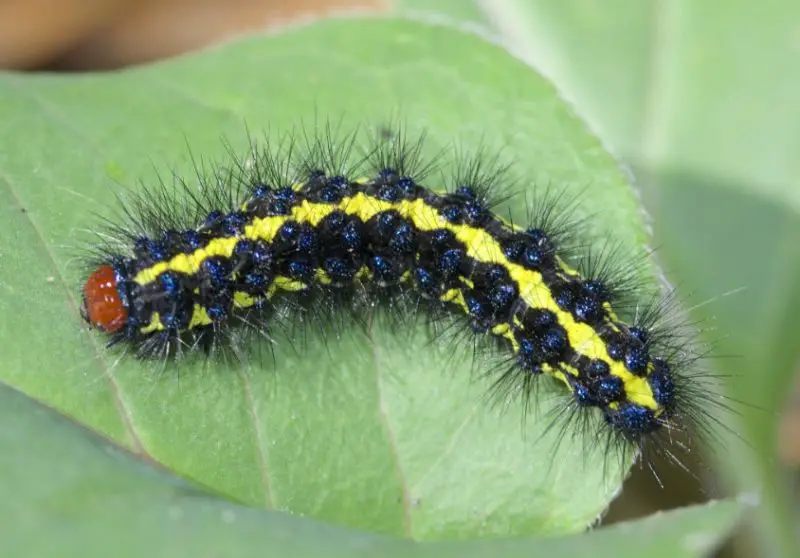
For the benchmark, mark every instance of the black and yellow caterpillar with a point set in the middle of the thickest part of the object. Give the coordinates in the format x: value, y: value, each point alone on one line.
x: 319, y: 233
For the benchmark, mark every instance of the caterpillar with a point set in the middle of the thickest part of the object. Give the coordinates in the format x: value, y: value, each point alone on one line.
x: 287, y: 234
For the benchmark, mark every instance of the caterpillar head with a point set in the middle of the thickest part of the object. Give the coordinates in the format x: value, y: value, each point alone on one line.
x: 102, y: 305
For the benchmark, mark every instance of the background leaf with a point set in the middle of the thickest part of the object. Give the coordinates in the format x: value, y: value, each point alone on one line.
x: 350, y: 427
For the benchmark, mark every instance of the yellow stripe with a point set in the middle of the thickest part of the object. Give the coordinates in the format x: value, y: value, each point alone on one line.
x: 480, y: 245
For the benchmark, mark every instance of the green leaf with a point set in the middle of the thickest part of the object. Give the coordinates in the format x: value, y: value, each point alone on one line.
x: 385, y: 434
x: 76, y: 492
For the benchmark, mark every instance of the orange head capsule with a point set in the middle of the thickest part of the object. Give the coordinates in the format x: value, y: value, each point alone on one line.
x: 102, y: 306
